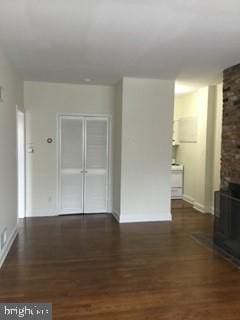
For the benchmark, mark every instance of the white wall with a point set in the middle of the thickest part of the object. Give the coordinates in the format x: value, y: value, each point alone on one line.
x: 43, y: 101
x: 147, y: 114
x: 13, y: 95
x: 210, y: 154
x: 142, y: 125
x: 117, y: 150
x: 201, y: 183
x: 217, y: 138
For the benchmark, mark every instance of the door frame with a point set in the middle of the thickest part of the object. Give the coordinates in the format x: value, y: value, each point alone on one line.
x: 21, y: 161
x: 58, y: 154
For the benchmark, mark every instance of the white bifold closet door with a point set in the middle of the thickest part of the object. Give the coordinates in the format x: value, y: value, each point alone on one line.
x: 71, y: 165
x: 83, y: 165
x: 96, y: 165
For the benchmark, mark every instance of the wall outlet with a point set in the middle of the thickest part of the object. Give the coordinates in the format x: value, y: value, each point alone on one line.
x: 3, y: 238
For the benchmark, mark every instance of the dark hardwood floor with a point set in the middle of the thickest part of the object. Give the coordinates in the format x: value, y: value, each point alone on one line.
x: 90, y: 267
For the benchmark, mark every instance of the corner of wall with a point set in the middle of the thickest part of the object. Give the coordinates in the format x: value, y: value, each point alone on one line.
x: 13, y: 86
x: 8, y: 246
x: 116, y: 215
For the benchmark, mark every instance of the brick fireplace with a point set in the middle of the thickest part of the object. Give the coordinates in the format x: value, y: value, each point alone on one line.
x: 227, y: 200
x: 230, y: 165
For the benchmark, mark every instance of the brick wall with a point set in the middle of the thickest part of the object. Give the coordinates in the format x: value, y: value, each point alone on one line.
x: 230, y: 165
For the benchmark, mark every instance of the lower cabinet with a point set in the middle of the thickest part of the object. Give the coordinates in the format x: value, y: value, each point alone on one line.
x: 177, y: 184
x: 176, y: 193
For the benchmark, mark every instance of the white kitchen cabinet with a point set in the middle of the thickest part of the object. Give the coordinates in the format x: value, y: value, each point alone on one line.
x: 176, y: 193
x: 177, y: 182
x: 177, y: 179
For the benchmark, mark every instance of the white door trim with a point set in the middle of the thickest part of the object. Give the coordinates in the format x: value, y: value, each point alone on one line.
x: 21, y: 162
x: 83, y: 116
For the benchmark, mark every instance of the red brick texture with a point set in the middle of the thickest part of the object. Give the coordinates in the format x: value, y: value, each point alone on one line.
x: 230, y: 163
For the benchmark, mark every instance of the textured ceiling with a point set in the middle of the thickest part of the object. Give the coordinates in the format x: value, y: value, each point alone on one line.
x: 70, y: 40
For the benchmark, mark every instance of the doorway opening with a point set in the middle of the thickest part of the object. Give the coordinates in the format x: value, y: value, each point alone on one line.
x: 196, y: 146
x: 21, y: 163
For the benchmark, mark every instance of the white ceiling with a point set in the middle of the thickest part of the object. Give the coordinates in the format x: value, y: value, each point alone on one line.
x: 70, y: 40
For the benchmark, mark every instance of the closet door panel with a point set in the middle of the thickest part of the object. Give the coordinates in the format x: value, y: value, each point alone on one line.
x: 72, y: 143
x: 72, y: 199
x: 71, y: 165
x: 96, y: 144
x: 96, y: 193
x: 96, y: 165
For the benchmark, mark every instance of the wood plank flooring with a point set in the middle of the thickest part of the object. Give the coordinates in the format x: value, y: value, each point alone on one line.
x: 90, y: 267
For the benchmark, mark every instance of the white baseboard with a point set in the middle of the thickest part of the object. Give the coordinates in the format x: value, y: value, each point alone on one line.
x: 8, y: 246
x: 196, y: 205
x: 43, y: 213
x: 199, y: 207
x: 209, y: 210
x: 137, y: 218
x: 188, y: 199
x: 130, y: 218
